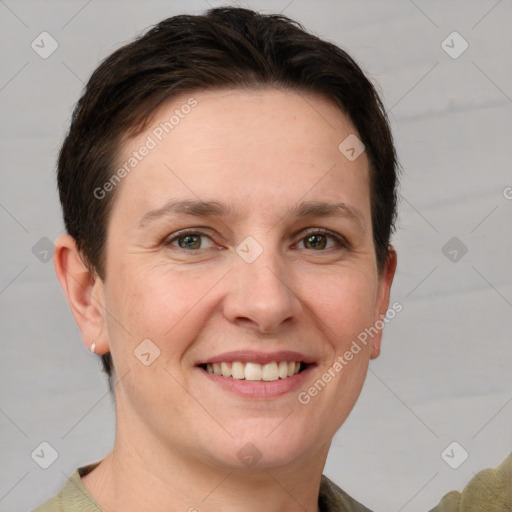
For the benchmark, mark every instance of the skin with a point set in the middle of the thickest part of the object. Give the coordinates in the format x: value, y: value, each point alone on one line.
x: 261, y: 152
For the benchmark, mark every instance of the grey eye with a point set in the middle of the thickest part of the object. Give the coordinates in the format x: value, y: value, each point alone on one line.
x: 189, y: 241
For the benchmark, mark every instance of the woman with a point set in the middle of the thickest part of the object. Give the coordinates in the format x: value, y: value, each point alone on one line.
x: 228, y: 186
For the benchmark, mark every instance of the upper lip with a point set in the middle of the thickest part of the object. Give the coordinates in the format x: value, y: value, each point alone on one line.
x: 251, y: 356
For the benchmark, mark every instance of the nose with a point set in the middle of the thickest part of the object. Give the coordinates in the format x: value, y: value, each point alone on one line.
x: 261, y: 295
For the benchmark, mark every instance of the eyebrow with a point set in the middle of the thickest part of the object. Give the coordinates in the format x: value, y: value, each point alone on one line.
x: 324, y: 209
x: 195, y: 208
x: 215, y: 209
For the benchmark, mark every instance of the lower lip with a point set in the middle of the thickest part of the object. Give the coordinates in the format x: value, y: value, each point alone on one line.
x: 260, y: 389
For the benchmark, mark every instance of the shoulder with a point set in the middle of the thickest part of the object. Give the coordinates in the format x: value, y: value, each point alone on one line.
x: 52, y: 505
x: 489, y: 491
x: 73, y: 497
x: 334, y: 499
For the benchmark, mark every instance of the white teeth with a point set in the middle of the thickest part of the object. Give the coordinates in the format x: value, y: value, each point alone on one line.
x: 237, y: 370
x: 270, y: 372
x: 283, y: 369
x: 253, y: 371
x: 226, y: 369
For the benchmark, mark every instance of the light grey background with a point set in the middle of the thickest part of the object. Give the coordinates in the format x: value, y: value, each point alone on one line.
x: 445, y: 371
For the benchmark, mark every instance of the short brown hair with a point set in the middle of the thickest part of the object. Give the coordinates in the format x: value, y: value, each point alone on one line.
x: 225, y: 47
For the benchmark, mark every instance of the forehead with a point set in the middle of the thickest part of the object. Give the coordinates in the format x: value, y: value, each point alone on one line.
x: 242, y: 145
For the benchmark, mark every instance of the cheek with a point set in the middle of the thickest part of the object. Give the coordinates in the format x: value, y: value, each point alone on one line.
x: 345, y: 304
x: 163, y: 305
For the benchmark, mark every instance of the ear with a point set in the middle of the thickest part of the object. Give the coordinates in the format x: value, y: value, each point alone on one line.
x: 84, y: 292
x: 382, y: 304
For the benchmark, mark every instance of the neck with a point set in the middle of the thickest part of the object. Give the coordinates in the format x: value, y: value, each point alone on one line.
x: 150, y: 476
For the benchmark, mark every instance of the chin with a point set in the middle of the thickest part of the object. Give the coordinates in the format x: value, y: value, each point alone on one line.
x: 275, y: 444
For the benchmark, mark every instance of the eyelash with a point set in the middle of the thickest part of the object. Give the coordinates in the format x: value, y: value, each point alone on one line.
x: 340, y: 240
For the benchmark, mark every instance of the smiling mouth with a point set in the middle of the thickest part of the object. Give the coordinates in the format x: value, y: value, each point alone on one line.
x: 270, y: 372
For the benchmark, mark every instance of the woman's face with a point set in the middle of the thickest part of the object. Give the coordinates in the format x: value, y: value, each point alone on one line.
x: 241, y: 235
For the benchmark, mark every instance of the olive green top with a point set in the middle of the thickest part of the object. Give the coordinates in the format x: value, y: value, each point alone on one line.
x: 73, y: 497
x: 489, y: 491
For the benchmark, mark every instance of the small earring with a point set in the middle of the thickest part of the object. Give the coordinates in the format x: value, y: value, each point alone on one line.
x: 93, y: 347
